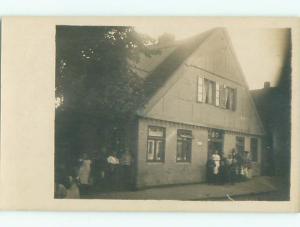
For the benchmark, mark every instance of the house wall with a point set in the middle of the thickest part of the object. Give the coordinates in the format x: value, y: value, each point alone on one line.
x: 176, y: 102
x: 177, y: 98
x: 170, y: 171
x: 230, y: 142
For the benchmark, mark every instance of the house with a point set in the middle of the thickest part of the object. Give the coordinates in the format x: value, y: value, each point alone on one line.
x: 277, y: 141
x: 270, y: 100
x: 198, y: 102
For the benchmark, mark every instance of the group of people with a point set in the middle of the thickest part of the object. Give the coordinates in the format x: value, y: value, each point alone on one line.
x: 237, y: 166
x: 115, y: 172
x: 98, y: 173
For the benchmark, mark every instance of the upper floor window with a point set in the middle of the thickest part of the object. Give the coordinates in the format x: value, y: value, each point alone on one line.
x: 216, y: 94
x: 230, y: 98
x: 156, y: 144
x: 209, y: 91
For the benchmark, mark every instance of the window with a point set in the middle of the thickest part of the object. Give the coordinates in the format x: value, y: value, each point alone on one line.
x: 156, y: 144
x: 184, y: 145
x: 240, y: 144
x: 200, y: 89
x: 209, y: 91
x: 217, y: 94
x: 229, y: 98
x: 215, y: 134
x: 215, y: 141
x: 253, y: 149
x: 222, y: 96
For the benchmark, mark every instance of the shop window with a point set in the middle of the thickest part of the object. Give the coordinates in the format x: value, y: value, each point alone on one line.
x: 156, y: 144
x: 184, y: 145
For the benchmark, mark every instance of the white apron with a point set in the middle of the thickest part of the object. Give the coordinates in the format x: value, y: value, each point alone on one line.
x: 84, y: 172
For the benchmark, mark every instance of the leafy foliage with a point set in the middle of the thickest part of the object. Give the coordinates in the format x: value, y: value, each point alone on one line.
x: 97, y: 93
x: 93, y: 71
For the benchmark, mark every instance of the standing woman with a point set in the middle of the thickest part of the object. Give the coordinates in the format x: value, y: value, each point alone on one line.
x: 84, y: 174
x: 113, y: 170
x: 216, y: 158
x: 210, y: 171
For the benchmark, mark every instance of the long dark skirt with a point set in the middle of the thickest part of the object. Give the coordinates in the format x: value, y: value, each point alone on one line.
x: 84, y: 189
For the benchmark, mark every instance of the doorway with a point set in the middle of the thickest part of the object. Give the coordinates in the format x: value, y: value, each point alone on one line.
x: 215, y: 141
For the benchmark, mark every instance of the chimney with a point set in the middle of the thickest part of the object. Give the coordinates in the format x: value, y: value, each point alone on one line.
x: 267, y: 85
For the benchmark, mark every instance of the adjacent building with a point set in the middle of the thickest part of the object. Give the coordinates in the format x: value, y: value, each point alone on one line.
x: 198, y: 102
x: 274, y: 107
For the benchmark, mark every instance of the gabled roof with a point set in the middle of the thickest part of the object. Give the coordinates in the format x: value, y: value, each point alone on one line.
x: 158, y: 68
x: 209, y: 53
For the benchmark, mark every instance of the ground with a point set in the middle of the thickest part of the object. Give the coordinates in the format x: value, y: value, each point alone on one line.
x: 258, y: 188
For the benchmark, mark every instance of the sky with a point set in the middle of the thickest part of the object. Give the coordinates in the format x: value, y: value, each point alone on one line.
x: 261, y: 52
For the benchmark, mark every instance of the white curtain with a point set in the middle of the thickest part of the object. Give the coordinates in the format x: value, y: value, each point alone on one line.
x: 205, y: 89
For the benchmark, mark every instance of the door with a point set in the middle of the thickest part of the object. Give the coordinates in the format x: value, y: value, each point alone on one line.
x: 215, y: 141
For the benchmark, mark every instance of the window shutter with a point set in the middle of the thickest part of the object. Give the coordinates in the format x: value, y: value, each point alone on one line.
x: 222, y: 96
x: 226, y: 104
x: 205, y: 90
x: 217, y: 94
x: 200, y: 89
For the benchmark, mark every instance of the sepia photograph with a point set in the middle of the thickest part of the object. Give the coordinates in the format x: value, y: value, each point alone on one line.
x: 172, y: 113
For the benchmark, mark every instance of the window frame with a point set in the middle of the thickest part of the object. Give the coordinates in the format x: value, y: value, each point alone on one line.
x: 189, y: 160
x: 200, y: 84
x: 217, y: 94
x: 251, y: 151
x: 220, y: 93
x: 232, y: 102
x: 213, y: 98
x: 236, y: 143
x: 155, y: 139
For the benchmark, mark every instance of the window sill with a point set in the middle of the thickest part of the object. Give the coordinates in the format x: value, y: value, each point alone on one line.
x: 184, y: 162
x: 215, y: 106
x: 158, y: 162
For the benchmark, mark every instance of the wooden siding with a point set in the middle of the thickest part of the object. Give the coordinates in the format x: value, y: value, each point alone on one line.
x: 177, y: 99
x: 172, y: 172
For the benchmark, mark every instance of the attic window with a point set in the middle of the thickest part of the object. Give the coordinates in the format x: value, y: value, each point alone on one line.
x: 217, y: 94
x: 200, y: 89
x: 209, y: 91
x: 230, y: 98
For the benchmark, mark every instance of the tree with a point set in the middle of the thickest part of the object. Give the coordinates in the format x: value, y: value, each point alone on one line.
x: 166, y: 39
x: 97, y: 92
